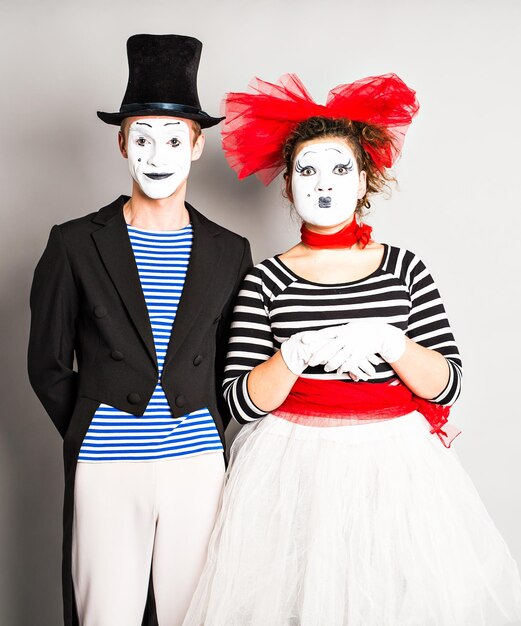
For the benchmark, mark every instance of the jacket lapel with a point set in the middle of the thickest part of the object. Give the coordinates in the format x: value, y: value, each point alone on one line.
x: 115, y: 249
x: 204, y: 261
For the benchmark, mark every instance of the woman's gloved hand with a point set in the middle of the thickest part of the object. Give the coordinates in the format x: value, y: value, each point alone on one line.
x: 354, y: 347
x: 297, y: 354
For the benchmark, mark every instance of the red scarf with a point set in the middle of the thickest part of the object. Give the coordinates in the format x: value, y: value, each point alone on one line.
x: 336, y: 398
x: 345, y: 238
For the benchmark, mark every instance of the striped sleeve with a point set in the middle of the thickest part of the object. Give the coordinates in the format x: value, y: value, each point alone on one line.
x: 250, y: 343
x: 429, y: 326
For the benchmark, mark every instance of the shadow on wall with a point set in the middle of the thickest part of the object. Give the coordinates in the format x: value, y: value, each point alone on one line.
x: 32, y: 487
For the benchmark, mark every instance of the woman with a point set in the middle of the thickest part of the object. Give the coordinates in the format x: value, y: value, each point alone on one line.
x: 342, y: 506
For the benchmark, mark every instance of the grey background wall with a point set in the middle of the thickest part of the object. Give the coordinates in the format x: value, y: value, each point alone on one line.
x: 457, y: 204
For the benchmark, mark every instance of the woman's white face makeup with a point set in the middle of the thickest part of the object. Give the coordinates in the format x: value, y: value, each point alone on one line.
x: 325, y: 182
x: 159, y: 155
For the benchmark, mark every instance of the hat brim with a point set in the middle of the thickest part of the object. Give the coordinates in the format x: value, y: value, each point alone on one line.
x: 205, y: 121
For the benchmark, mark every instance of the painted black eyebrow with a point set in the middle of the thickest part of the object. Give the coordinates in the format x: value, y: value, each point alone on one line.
x: 143, y: 124
x: 313, y: 151
x: 171, y: 123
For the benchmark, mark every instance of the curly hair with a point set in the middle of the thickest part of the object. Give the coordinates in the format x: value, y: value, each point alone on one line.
x: 355, y: 134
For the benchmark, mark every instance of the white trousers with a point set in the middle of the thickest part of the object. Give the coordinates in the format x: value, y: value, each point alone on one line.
x: 134, y: 518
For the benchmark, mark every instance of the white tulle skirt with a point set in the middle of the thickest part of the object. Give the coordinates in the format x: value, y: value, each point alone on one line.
x: 362, y: 525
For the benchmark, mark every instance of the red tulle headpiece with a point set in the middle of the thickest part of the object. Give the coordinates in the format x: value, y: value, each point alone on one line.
x: 257, y: 124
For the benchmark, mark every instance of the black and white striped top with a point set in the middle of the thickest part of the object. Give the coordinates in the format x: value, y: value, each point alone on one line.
x: 274, y: 303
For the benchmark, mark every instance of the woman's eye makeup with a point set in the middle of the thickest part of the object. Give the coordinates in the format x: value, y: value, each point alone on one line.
x: 305, y: 170
x: 343, y: 168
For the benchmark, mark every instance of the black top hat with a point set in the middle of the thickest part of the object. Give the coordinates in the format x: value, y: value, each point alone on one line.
x: 162, y: 79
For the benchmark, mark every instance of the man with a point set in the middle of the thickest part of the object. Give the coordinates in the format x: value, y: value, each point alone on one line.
x: 143, y: 433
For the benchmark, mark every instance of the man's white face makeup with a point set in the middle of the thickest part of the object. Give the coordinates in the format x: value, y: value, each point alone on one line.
x: 325, y: 183
x: 159, y: 155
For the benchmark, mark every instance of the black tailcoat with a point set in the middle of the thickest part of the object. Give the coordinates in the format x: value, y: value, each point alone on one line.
x: 87, y: 302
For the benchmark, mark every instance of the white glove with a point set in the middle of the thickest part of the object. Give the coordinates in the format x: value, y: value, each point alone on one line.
x: 297, y: 354
x: 354, y: 347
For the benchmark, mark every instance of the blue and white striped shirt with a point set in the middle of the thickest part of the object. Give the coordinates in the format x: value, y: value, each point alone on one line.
x: 162, y: 260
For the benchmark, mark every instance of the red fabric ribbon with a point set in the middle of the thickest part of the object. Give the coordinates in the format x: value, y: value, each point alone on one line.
x: 345, y: 238
x: 257, y: 124
x: 335, y: 398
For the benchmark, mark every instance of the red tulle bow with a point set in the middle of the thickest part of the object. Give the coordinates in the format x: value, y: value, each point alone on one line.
x: 257, y: 124
x: 345, y: 238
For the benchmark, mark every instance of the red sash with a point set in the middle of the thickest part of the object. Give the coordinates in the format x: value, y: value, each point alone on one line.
x: 335, y: 398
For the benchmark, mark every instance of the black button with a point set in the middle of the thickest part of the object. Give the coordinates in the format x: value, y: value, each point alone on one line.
x: 180, y: 401
x: 134, y: 398
x: 100, y: 311
x: 198, y: 360
x: 117, y: 355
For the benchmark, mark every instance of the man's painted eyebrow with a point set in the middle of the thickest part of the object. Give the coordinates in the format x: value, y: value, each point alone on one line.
x: 171, y: 123
x: 143, y: 124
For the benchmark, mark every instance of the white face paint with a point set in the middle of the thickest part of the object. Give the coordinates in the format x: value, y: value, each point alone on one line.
x: 325, y: 182
x: 159, y: 155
